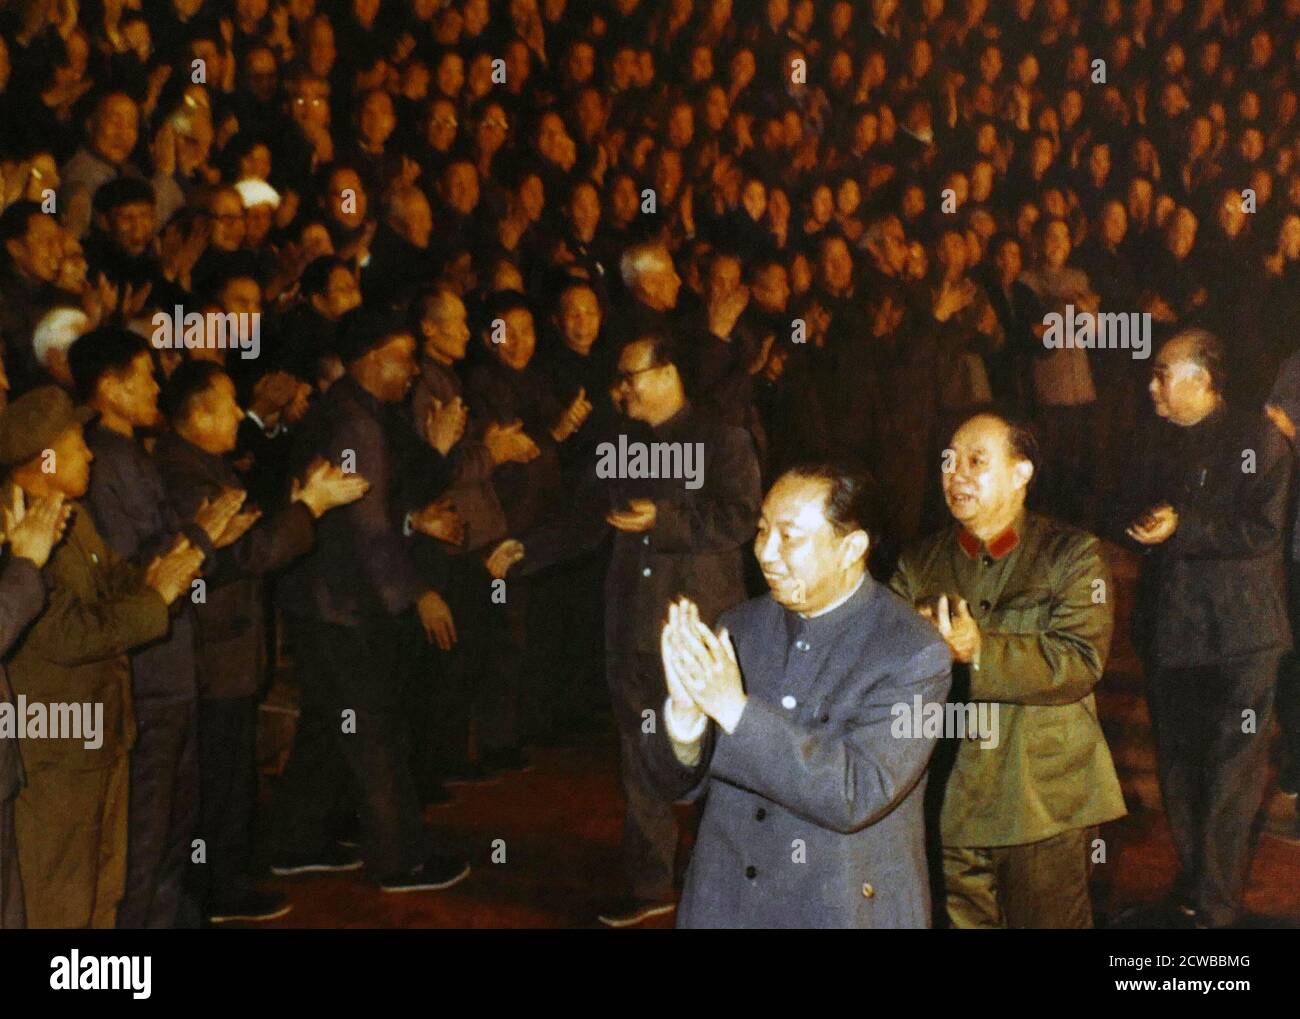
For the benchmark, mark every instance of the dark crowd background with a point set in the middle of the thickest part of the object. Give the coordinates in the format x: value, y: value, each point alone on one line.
x: 869, y: 207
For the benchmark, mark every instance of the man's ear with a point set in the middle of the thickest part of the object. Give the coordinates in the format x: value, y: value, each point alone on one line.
x: 854, y: 546
x: 13, y: 248
x: 1023, y: 471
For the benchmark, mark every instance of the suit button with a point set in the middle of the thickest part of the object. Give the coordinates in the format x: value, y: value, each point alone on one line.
x: 645, y: 540
x: 825, y: 719
x: 868, y: 892
x: 751, y: 872
x: 646, y: 572
x: 988, y: 560
x: 802, y: 645
x: 985, y: 605
x: 760, y: 813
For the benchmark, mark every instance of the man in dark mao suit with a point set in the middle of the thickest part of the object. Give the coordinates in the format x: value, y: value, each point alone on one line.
x: 672, y: 536
x: 786, y: 719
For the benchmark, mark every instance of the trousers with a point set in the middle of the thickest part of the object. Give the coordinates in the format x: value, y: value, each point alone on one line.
x: 1041, y: 885
x: 71, y: 829
x: 636, y: 684
x: 352, y: 681
x: 162, y: 810
x: 1211, y: 728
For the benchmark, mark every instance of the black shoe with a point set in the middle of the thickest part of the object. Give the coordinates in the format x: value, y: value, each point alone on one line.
x: 332, y: 859
x: 251, y: 906
x: 469, y: 773
x: 506, y: 760
x: 434, y: 874
x: 630, y: 912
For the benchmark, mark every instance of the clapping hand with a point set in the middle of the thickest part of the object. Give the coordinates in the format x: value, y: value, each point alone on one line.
x: 326, y: 486
x: 639, y: 516
x: 510, y: 443
x: 32, y: 532
x: 213, y: 515
x: 1155, y: 526
x: 444, y: 423
x: 703, y: 666
x: 958, y: 629
x: 573, y: 417
x: 440, y: 520
x: 171, y: 573
x: 503, y: 557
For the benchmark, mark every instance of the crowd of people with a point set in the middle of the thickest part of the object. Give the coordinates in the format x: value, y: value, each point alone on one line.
x: 474, y: 240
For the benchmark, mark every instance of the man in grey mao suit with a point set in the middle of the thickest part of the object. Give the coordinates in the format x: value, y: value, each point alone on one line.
x: 786, y: 718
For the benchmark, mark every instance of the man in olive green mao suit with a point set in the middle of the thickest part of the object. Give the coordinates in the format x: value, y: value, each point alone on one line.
x: 70, y: 818
x: 1025, y: 604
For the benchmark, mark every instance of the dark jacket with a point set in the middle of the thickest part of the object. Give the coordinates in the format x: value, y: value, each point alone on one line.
x: 361, y: 565
x: 813, y: 816
x: 22, y: 596
x: 137, y: 520
x: 1216, y: 588
x: 230, y: 635
x: 472, y: 491
x: 695, y: 548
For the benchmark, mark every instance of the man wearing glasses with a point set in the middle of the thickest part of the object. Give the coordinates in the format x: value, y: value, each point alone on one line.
x: 673, y: 537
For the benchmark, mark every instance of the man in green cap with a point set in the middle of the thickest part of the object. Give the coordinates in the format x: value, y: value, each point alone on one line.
x: 72, y: 665
x: 1024, y: 605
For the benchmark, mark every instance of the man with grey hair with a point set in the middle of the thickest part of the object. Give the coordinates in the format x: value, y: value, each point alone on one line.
x: 1208, y: 508
x: 651, y: 282
x: 58, y: 330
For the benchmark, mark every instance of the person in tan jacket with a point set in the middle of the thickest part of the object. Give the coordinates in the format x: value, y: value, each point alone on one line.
x: 72, y: 665
x: 1024, y: 603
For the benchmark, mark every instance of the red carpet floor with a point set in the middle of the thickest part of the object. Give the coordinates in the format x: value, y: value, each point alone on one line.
x: 560, y: 824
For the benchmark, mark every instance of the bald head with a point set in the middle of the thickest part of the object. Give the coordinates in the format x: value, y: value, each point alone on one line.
x: 1186, y: 378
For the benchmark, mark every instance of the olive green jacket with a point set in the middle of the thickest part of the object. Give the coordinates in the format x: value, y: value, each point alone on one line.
x: 76, y: 652
x: 1045, y: 609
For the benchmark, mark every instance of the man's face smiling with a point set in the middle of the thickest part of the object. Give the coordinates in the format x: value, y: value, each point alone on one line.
x: 803, y: 559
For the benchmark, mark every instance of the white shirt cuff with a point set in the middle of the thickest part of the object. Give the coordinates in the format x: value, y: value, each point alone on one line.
x: 679, y: 733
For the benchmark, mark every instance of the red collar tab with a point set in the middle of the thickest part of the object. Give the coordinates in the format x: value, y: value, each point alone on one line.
x: 1000, y: 546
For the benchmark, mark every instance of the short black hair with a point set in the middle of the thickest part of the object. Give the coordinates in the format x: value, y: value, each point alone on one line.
x: 122, y: 191
x: 15, y: 221
x: 852, y: 498
x: 190, y: 380
x: 501, y: 304
x: 1022, y: 442
x: 103, y: 351
x: 316, y: 277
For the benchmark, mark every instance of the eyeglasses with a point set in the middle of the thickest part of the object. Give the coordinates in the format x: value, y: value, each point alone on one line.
x: 622, y: 379
x: 445, y: 121
x: 315, y: 102
x: 500, y: 125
